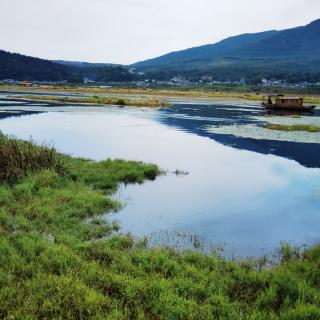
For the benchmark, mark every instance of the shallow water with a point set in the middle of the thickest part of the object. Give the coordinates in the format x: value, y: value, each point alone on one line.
x: 246, y: 194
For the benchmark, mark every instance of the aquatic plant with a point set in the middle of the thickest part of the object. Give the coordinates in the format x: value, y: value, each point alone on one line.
x: 256, y: 131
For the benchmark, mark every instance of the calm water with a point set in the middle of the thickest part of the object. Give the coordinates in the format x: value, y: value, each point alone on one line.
x: 247, y: 194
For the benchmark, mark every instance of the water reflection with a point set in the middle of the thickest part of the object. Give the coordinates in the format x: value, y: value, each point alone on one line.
x: 306, y: 154
x: 245, y: 200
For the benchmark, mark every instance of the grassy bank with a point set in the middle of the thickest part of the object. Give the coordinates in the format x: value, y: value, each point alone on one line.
x: 98, y: 100
x: 60, y: 260
x: 241, y: 93
x: 296, y: 127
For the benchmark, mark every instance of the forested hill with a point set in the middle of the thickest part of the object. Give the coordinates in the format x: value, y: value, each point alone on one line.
x: 20, y: 67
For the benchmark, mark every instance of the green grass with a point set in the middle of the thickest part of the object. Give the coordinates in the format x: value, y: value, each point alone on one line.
x: 99, y: 100
x: 296, y: 127
x: 60, y: 260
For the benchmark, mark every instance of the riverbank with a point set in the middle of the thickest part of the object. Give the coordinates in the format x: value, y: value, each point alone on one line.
x: 60, y: 259
x: 157, y: 93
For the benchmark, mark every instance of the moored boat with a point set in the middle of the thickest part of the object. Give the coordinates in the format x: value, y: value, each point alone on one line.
x: 286, y: 103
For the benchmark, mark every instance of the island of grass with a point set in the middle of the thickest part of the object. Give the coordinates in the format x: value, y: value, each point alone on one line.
x: 60, y: 259
x: 97, y: 100
x: 295, y: 127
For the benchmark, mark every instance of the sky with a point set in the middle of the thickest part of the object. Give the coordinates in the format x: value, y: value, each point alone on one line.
x: 127, y: 31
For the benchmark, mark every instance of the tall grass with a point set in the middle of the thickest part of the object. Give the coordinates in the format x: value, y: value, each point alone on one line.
x: 18, y: 158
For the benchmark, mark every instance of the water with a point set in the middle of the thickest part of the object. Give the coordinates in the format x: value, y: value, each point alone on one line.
x: 246, y: 194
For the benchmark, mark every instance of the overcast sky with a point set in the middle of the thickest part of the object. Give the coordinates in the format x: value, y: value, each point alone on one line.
x: 126, y: 31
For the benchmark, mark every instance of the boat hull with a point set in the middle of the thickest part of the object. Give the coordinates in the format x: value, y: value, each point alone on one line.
x: 290, y: 108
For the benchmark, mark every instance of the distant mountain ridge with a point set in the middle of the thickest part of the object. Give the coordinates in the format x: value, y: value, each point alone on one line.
x: 293, y: 49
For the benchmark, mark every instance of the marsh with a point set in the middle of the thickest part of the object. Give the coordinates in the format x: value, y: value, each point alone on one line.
x: 246, y: 189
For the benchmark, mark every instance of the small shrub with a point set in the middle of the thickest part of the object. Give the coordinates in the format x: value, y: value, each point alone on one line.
x: 120, y: 102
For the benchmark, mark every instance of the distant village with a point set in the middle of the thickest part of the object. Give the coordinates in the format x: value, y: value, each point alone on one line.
x: 182, y: 81
x: 175, y: 81
x: 31, y: 83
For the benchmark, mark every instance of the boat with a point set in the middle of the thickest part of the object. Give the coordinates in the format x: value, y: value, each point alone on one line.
x: 286, y: 103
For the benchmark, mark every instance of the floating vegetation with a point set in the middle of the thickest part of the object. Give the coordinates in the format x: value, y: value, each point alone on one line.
x: 254, y: 131
x: 304, y: 129
x: 296, y: 127
x: 289, y: 120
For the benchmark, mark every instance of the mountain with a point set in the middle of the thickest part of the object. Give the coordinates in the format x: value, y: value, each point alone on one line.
x: 295, y: 50
x: 297, y: 42
x: 206, y: 52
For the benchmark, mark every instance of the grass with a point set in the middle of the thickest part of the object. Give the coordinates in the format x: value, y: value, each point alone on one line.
x: 60, y: 260
x: 99, y: 100
x: 296, y: 127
